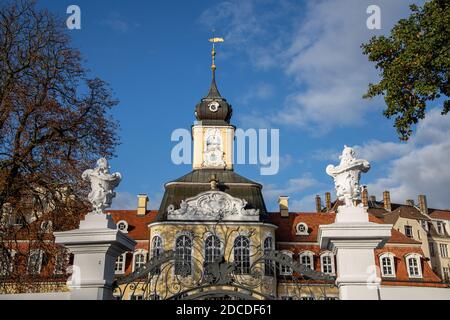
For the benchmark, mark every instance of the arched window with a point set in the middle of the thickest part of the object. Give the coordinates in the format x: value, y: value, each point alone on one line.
x: 387, y: 264
x: 307, y: 259
x: 327, y: 263
x: 156, y: 246
x: 414, y: 266
x: 212, y: 249
x: 242, y: 255
x: 183, y: 256
x: 286, y: 270
x: 269, y: 265
x: 139, y: 259
x: 156, y: 251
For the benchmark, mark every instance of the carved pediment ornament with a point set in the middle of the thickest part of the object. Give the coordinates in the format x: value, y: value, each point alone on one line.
x: 212, y: 205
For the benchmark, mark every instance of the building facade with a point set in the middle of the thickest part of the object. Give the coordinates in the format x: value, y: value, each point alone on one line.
x: 215, y: 225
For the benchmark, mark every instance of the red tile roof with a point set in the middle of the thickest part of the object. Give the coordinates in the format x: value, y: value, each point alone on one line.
x: 439, y: 214
x: 137, y: 225
x: 286, y: 231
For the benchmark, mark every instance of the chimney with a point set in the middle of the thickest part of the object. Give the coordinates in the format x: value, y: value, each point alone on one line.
x: 318, y: 204
x: 142, y: 204
x: 365, y: 197
x: 410, y: 202
x: 283, y: 201
x: 423, y: 204
x: 328, y: 201
x: 387, y: 201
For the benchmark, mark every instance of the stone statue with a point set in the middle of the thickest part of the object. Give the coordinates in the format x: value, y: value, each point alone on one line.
x: 347, y: 175
x: 102, y: 185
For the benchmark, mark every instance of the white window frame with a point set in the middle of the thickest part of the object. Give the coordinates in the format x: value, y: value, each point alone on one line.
x: 39, y: 265
x: 285, y: 270
x: 214, y: 248
x: 126, y: 226
x: 417, y: 258
x: 139, y: 252
x: 446, y: 274
x: 244, y: 255
x: 443, y: 250
x: 189, y: 256
x: 322, y: 264
x: 391, y: 258
x: 123, y: 264
x: 300, y: 232
x: 311, y: 258
x: 440, y: 227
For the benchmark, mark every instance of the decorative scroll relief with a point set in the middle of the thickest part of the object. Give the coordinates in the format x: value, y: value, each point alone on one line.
x: 347, y: 175
x: 213, y: 206
x: 213, y: 155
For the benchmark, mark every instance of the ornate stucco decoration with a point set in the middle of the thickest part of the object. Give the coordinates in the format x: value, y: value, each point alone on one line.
x: 347, y: 175
x: 213, y: 155
x: 103, y: 184
x: 213, y: 205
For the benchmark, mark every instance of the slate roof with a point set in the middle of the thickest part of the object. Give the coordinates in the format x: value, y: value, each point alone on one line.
x: 198, y: 181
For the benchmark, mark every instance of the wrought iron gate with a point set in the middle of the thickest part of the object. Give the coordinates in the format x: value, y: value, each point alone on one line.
x: 271, y: 275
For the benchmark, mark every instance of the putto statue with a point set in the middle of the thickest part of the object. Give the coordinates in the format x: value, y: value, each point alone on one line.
x: 347, y: 175
x: 102, y: 185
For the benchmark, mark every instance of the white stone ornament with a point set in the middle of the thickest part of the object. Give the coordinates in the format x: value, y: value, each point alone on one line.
x: 213, y: 149
x: 347, y: 175
x: 213, y: 205
x: 103, y: 184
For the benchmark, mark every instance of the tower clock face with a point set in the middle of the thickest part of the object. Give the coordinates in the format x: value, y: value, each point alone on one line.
x: 214, y: 106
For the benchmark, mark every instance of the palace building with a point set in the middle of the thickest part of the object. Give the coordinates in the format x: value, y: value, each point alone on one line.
x: 213, y: 237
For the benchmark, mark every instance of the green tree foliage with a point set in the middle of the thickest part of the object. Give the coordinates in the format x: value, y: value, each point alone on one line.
x: 414, y: 65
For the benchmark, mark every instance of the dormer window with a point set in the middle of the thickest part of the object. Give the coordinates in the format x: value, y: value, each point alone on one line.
x: 413, y: 263
x: 440, y: 227
x: 302, y: 229
x: 122, y: 226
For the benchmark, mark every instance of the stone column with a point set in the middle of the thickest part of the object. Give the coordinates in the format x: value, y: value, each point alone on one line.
x: 96, y: 246
x: 352, y: 238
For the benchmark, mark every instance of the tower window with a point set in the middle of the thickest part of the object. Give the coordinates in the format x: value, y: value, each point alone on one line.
x: 212, y: 249
x: 242, y: 255
x: 269, y: 267
x: 183, y: 256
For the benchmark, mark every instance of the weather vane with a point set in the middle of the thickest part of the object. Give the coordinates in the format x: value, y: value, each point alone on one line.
x: 214, y: 40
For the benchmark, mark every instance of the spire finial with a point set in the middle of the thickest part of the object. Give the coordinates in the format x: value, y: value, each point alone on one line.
x: 214, y: 40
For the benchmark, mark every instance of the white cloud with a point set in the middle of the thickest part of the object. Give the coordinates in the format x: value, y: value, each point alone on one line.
x: 291, y: 188
x: 422, y: 166
x: 119, y: 23
x: 260, y: 91
x: 317, y: 44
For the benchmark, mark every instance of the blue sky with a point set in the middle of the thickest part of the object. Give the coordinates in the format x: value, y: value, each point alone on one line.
x: 291, y: 65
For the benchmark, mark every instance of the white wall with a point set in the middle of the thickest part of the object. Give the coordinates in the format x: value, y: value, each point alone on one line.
x: 414, y: 293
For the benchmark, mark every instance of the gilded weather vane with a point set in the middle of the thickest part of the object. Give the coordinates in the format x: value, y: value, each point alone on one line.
x: 214, y: 40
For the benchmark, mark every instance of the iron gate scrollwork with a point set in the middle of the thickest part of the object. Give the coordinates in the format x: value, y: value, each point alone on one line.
x: 272, y: 275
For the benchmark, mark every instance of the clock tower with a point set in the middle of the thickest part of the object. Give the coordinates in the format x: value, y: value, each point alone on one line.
x: 212, y: 133
x: 212, y: 180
